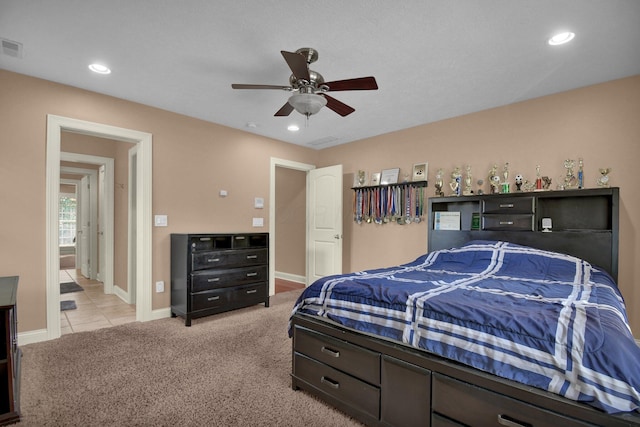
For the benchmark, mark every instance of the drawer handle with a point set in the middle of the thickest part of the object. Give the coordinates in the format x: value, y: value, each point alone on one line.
x: 506, y: 222
x: 213, y: 259
x: 505, y: 420
x: 213, y: 279
x: 506, y: 205
x: 252, y: 274
x: 213, y: 298
x: 205, y: 239
x: 330, y: 352
x: 239, y: 237
x: 252, y: 291
x: 331, y: 383
x: 252, y: 256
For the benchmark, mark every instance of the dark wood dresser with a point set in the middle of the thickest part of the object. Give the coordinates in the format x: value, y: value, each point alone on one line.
x: 10, y: 354
x: 213, y: 273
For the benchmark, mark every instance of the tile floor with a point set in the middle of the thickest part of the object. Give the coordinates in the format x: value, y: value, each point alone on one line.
x: 95, y: 309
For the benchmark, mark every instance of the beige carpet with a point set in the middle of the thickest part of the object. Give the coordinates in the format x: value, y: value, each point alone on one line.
x: 230, y: 369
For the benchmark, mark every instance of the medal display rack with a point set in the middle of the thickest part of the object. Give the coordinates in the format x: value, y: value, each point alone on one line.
x: 402, y: 203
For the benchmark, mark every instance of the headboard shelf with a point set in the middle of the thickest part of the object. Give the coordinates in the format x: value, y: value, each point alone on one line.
x: 583, y: 223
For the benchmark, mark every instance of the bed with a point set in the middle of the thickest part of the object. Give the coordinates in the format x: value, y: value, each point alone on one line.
x: 490, y: 332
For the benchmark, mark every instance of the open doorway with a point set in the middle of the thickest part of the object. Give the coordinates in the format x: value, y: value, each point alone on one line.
x: 296, y: 170
x: 55, y: 126
x: 290, y: 229
x: 95, y: 293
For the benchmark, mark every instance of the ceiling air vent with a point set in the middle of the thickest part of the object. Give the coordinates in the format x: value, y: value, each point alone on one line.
x: 11, y: 48
x: 323, y: 141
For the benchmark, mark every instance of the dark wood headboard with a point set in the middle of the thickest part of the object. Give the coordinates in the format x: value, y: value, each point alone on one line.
x: 584, y: 222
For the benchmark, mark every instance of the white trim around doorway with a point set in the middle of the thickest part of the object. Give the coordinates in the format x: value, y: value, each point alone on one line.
x: 55, y: 125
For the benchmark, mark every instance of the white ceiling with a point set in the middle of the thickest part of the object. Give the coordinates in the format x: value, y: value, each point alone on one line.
x: 432, y: 59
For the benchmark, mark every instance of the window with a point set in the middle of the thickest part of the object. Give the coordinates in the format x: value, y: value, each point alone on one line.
x: 67, y: 220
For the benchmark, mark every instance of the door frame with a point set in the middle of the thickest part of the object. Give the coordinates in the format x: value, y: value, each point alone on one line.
x: 106, y: 207
x: 288, y: 164
x: 144, y: 257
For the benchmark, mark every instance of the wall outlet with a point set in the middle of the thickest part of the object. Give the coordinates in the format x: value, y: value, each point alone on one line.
x: 160, y: 286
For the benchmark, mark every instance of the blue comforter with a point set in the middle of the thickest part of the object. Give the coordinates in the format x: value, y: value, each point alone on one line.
x: 541, y: 318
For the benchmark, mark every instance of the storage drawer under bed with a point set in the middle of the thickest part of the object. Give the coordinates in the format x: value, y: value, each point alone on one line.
x: 472, y: 405
x: 352, y: 391
x: 354, y: 360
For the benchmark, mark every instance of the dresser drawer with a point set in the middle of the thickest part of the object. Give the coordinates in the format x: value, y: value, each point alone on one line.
x: 508, y: 222
x: 354, y: 360
x: 210, y: 279
x: 504, y: 205
x: 247, y: 294
x: 341, y: 386
x: 472, y: 405
x: 231, y: 258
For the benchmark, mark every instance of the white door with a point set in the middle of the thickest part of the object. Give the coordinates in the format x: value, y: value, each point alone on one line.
x: 82, y: 226
x: 324, y: 243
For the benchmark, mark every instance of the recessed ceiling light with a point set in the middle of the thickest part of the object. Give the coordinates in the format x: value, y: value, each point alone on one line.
x: 293, y: 128
x: 99, y: 68
x: 561, y: 38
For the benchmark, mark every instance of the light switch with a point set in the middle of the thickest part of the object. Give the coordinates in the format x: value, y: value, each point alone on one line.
x: 160, y: 221
x: 258, y: 203
x: 258, y: 222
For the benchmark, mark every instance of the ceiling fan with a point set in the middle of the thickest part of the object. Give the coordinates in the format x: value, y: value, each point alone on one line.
x: 310, y: 87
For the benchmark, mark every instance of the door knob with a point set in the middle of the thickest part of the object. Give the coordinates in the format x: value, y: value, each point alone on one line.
x: 337, y: 236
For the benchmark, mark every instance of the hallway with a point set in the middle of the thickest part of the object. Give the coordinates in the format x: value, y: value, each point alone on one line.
x: 95, y: 310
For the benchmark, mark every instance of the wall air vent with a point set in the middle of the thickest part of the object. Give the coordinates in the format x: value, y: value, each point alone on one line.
x: 11, y: 48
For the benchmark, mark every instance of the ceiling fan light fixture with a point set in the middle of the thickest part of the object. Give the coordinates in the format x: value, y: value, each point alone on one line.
x: 307, y: 104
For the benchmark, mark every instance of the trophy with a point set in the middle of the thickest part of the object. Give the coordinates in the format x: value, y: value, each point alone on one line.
x: 580, y: 174
x: 439, y: 183
x: 570, y: 180
x: 603, y: 180
x: 456, y: 177
x: 505, y: 181
x: 494, y: 180
x: 467, y: 183
x: 538, y: 178
x: 519, y: 179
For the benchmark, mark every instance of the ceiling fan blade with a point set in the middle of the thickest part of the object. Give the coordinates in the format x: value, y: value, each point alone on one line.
x: 362, y: 83
x: 337, y: 106
x: 298, y: 65
x: 243, y: 86
x: 285, y: 110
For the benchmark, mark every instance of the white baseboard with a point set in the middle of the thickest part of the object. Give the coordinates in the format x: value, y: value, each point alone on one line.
x: 160, y: 313
x: 122, y: 294
x: 32, y: 337
x: 291, y: 277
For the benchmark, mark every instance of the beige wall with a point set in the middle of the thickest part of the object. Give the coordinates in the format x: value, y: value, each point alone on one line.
x: 598, y: 123
x: 193, y: 160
